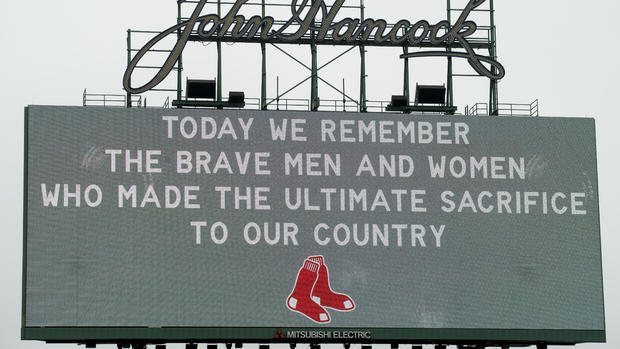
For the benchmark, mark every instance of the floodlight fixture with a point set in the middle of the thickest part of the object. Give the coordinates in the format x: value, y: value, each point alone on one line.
x: 236, y: 97
x: 430, y: 94
x: 203, y: 89
x: 399, y: 101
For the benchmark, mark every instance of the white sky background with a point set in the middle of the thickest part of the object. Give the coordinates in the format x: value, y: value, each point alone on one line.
x: 561, y: 52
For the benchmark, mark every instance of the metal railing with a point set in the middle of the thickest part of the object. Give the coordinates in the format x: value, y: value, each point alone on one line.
x: 300, y: 104
x: 338, y: 105
x: 477, y: 109
x: 505, y: 109
x: 293, y: 104
x: 534, y: 111
x: 252, y: 103
x: 376, y: 106
x: 109, y: 100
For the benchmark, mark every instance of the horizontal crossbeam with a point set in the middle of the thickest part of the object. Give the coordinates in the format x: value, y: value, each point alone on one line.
x: 474, y: 43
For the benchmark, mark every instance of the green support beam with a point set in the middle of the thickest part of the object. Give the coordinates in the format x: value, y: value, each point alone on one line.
x: 314, y: 94
x: 493, y: 89
x: 406, y: 76
x: 128, y: 62
x: 450, y: 80
x: 362, y: 103
x: 314, y: 81
x: 207, y: 104
x: 344, y: 96
x: 180, y: 60
x: 408, y: 109
x: 219, y: 60
x: 263, y: 85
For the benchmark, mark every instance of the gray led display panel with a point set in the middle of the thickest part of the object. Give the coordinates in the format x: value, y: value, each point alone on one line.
x: 292, y: 220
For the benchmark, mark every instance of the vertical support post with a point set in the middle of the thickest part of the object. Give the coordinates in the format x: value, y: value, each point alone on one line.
x: 180, y: 60
x: 128, y: 62
x: 314, y: 81
x: 450, y: 79
x: 406, y: 76
x: 493, y: 90
x: 344, y: 97
x: 263, y: 85
x: 363, y: 107
x: 219, y: 59
x: 278, y: 92
x: 314, y: 93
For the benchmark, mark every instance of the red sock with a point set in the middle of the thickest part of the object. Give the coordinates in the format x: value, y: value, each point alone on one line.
x: 300, y: 299
x: 323, y: 294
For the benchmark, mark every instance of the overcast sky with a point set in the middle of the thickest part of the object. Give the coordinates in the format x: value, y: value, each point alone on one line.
x: 560, y: 52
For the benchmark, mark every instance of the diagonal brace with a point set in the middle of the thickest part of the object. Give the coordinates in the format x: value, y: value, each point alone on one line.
x: 337, y: 57
x: 289, y: 90
x: 291, y: 57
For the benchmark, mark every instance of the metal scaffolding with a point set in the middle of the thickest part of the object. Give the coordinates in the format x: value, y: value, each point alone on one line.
x: 485, y: 42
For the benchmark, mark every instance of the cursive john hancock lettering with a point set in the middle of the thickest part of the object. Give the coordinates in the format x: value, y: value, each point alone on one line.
x: 323, y: 28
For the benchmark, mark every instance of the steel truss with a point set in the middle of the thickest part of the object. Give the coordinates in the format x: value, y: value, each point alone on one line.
x: 486, y: 41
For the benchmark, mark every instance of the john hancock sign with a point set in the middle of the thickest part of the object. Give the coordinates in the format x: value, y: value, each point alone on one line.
x: 315, y: 21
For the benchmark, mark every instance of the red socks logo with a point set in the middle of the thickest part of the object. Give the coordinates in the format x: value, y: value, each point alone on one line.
x: 312, y: 293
